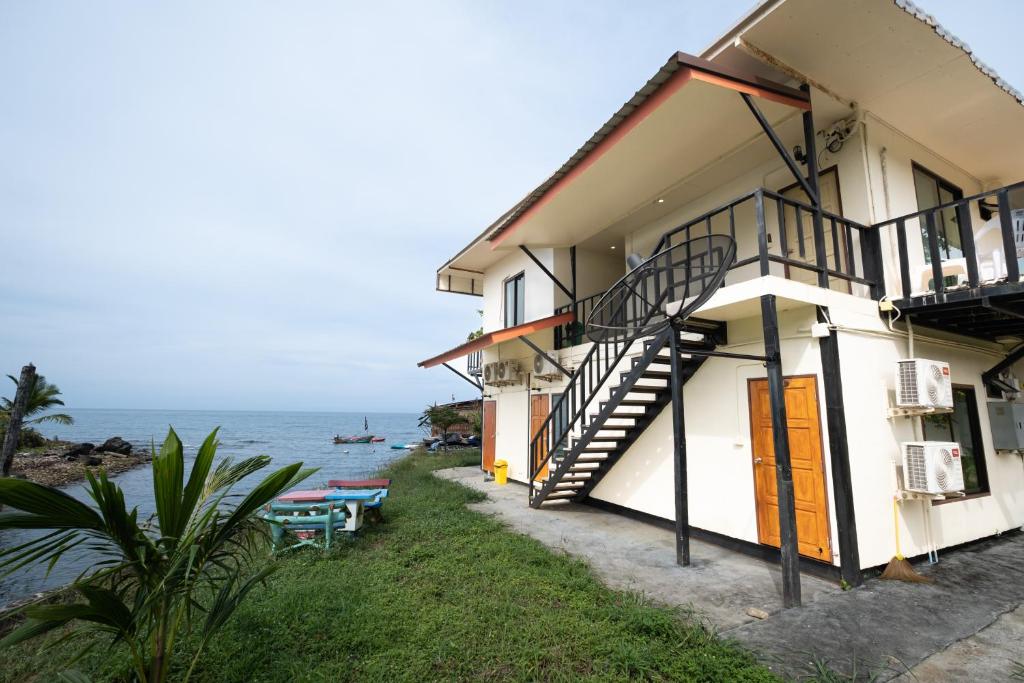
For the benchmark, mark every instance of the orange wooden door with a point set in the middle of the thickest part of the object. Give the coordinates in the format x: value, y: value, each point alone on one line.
x: 490, y: 415
x: 805, y: 455
x: 540, y: 406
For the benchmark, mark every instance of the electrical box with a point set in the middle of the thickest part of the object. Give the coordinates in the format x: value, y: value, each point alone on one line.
x: 1007, y: 421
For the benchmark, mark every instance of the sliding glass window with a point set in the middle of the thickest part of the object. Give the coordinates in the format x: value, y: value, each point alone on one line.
x: 515, y: 300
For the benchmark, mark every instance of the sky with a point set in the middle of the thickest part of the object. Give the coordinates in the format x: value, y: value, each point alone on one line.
x: 241, y: 205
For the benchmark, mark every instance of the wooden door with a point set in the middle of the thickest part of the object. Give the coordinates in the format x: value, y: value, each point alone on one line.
x: 540, y: 406
x: 805, y: 455
x: 490, y: 415
x: 828, y: 188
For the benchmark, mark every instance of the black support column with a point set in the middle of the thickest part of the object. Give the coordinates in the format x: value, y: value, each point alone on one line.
x: 679, y: 435
x: 811, y: 147
x: 783, y: 468
x: 839, y: 457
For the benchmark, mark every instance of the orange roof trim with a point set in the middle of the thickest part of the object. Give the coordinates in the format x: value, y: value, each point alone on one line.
x: 498, y: 336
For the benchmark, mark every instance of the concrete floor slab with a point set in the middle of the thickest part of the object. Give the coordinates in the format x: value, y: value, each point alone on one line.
x: 952, y: 629
x: 992, y: 654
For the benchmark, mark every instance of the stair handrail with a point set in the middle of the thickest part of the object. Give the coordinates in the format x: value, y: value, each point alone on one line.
x: 536, y: 463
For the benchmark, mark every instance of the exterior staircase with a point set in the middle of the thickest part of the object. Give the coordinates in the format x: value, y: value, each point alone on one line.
x: 586, y: 451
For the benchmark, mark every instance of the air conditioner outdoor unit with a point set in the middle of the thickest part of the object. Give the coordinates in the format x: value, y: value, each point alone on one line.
x: 508, y: 371
x: 490, y: 373
x: 922, y: 383
x: 932, y: 467
x: 544, y: 369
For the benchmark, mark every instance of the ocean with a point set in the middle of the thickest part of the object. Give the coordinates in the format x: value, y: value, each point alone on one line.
x: 286, y: 437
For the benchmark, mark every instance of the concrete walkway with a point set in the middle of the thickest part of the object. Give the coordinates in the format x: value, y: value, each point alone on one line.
x: 878, y: 631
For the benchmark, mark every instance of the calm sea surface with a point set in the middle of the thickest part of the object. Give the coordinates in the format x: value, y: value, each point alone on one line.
x: 286, y: 437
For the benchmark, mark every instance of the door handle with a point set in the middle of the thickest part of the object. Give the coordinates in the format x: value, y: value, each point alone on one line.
x: 757, y: 461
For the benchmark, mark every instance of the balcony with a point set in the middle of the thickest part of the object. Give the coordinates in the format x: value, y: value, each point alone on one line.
x: 775, y: 235
x: 474, y: 364
x: 960, y: 263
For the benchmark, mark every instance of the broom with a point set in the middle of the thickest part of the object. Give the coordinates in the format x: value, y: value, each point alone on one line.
x: 899, y: 569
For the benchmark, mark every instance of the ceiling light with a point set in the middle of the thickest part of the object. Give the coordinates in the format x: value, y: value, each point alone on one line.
x: 660, y: 200
x: 613, y: 246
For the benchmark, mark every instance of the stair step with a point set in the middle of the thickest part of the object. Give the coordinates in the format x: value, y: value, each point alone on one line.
x: 578, y: 467
x: 569, y: 485
x: 561, y: 494
x: 598, y: 448
x: 607, y: 439
x: 556, y: 502
x: 656, y: 373
x: 636, y: 402
x: 591, y: 457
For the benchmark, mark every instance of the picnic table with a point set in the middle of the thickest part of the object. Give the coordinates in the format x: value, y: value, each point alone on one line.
x: 354, y: 501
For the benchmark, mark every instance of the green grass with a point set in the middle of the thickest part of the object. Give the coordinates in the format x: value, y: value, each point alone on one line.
x: 439, y: 592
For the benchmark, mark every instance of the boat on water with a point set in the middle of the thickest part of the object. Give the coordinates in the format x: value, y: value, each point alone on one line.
x: 361, y: 438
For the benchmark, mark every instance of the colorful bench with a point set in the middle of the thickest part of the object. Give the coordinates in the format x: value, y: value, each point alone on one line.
x: 314, y: 512
x: 372, y: 508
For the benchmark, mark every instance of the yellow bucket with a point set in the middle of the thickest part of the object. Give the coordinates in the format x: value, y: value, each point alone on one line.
x: 501, y: 472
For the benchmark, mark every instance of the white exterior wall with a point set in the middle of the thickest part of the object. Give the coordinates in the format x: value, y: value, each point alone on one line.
x: 874, y: 443
x: 512, y: 427
x: 540, y: 290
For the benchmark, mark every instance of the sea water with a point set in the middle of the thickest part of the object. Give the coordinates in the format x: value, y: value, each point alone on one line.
x: 287, y: 437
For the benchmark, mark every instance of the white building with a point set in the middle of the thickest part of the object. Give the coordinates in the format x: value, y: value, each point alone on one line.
x: 912, y: 248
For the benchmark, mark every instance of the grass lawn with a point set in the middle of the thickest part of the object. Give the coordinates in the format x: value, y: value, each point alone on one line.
x: 438, y: 592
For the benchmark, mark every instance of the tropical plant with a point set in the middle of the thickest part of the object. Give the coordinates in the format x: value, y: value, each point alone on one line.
x: 189, y: 565
x: 442, y: 418
x: 42, y: 396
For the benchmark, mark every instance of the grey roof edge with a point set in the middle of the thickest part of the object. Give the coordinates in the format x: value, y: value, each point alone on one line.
x: 944, y: 33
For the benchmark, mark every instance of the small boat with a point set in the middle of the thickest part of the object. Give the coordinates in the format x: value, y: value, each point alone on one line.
x: 364, y: 438
x: 377, y: 439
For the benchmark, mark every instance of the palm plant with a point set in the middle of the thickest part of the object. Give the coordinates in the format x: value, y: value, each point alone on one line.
x: 190, y: 565
x: 42, y: 396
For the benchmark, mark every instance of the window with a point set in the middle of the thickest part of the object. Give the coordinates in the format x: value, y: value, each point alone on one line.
x: 933, y: 191
x: 515, y: 300
x: 963, y: 427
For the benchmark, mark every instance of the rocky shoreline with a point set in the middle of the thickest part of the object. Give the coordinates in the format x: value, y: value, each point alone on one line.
x: 58, y: 463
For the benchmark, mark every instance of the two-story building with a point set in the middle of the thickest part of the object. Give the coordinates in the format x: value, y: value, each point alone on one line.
x: 864, y: 161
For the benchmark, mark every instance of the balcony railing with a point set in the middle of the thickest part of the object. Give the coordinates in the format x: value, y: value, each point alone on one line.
x: 823, y: 251
x: 474, y: 364
x: 572, y: 334
x: 790, y: 233
x: 956, y: 253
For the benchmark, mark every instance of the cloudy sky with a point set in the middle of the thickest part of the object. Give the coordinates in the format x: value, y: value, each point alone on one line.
x: 241, y: 205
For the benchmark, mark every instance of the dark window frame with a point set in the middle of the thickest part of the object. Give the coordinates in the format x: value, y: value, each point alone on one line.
x: 978, y: 454
x: 512, y: 313
x: 940, y: 184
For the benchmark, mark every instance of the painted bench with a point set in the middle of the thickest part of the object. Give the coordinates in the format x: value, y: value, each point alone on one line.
x: 311, y: 513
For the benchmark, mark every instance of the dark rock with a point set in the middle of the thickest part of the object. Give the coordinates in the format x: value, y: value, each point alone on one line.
x: 116, y: 445
x: 79, y: 449
x: 90, y: 460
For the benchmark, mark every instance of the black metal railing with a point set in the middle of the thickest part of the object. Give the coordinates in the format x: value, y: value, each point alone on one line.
x: 955, y: 253
x: 572, y: 334
x: 795, y: 235
x: 569, y: 410
x: 474, y: 364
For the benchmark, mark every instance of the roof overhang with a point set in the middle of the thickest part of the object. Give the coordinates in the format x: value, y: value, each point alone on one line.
x: 895, y: 61
x: 687, y: 116
x: 497, y: 337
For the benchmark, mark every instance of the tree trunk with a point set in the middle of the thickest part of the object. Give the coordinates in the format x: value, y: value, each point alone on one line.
x: 10, y: 445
